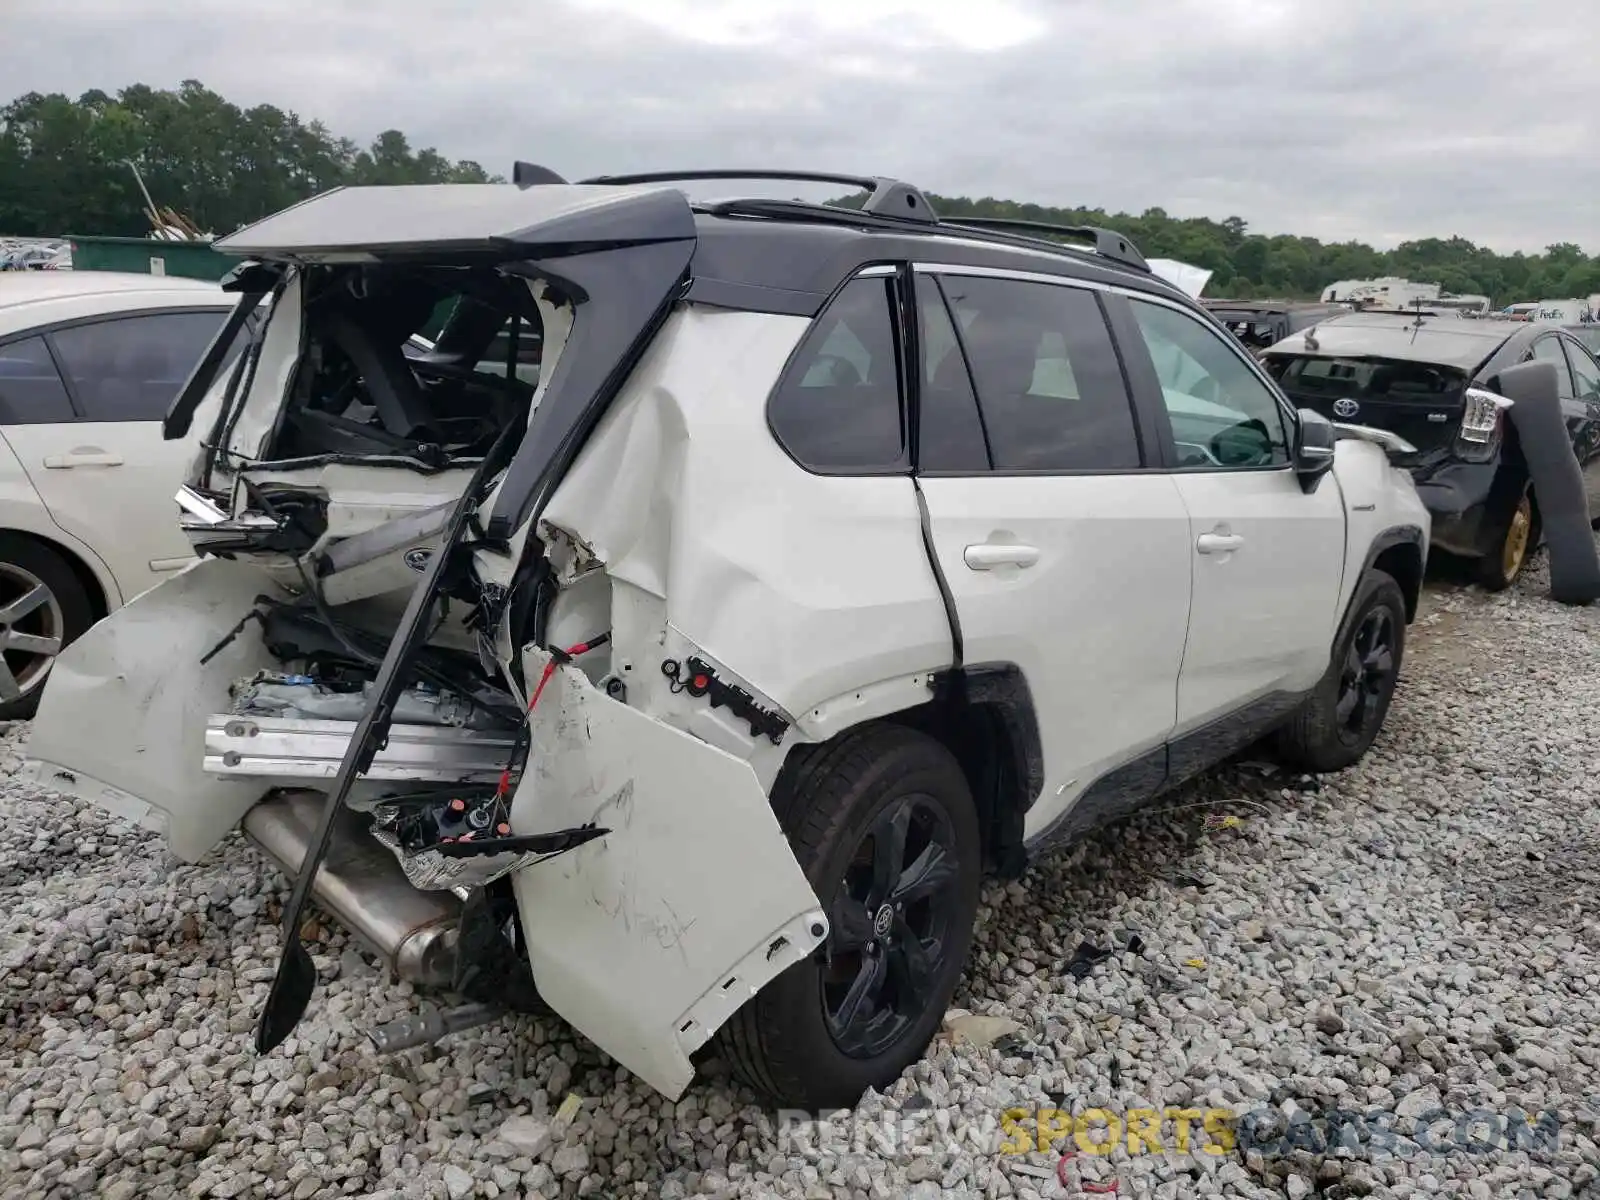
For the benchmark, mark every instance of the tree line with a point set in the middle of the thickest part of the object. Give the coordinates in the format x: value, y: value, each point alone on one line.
x: 64, y: 162
x: 63, y: 170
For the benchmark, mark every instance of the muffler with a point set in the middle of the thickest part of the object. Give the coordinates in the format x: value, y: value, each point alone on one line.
x: 361, y: 885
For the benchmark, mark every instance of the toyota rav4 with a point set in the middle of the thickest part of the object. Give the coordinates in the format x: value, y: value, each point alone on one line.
x: 799, y: 564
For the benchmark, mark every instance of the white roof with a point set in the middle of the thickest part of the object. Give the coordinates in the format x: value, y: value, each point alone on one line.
x: 30, y: 299
x: 357, y: 220
x: 30, y: 287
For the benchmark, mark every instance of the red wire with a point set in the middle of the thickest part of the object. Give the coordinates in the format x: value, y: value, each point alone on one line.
x: 538, y: 690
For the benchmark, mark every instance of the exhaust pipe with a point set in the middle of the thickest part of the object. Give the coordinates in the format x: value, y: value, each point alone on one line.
x: 362, y: 886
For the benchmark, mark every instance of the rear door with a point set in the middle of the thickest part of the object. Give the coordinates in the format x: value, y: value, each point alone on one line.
x: 1066, y: 552
x: 1267, y: 558
x: 107, y: 476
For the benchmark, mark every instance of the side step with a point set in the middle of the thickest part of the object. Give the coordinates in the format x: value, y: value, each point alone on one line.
x: 361, y: 884
x: 292, y: 748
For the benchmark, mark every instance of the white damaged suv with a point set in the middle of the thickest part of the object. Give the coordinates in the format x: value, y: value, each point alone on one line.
x: 797, y: 565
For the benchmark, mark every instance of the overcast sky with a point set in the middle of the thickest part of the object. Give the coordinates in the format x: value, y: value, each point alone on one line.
x: 1380, y: 120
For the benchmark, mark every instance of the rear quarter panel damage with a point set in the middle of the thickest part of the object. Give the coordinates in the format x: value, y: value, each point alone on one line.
x: 805, y: 587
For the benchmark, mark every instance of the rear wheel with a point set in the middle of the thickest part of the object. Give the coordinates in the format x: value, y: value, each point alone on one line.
x: 1501, y: 565
x: 884, y: 827
x: 43, y: 608
x: 1340, y: 719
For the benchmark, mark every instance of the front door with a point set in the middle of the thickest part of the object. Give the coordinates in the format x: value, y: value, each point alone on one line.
x: 1583, y: 419
x: 1267, y: 557
x: 1065, y: 555
x: 107, y: 476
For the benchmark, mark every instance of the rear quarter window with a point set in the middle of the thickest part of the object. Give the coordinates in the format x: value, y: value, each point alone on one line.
x: 838, y: 407
x: 31, y: 391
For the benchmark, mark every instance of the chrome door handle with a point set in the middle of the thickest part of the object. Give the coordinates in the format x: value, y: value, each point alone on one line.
x: 1218, y: 543
x: 986, y: 556
x: 85, y: 457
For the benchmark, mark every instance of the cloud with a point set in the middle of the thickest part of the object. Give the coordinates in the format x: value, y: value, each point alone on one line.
x: 1339, y: 119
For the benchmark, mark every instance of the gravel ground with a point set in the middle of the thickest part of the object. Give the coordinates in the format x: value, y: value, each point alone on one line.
x: 1415, y: 937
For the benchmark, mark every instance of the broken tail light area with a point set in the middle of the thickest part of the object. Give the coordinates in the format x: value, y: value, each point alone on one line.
x: 291, y: 524
x: 1482, y: 425
x: 463, y: 839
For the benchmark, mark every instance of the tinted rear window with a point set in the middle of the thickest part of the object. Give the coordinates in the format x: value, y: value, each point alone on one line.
x: 130, y: 368
x: 838, y: 406
x: 1373, y: 379
x: 1047, y: 375
x: 31, y: 391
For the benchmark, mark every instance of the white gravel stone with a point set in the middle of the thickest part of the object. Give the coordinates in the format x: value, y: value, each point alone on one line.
x: 1417, y: 936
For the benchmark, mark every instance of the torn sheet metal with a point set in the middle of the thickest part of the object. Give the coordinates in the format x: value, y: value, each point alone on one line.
x: 648, y: 939
x: 123, y: 722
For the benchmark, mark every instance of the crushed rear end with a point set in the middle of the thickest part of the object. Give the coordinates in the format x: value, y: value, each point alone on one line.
x: 505, y: 822
x: 1412, y: 377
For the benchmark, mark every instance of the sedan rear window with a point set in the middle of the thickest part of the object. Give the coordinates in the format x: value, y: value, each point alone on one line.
x: 1334, y: 378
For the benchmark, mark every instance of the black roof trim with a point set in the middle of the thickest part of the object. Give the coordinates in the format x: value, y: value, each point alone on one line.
x: 888, y: 197
x: 802, y: 212
x: 1107, y: 242
x: 527, y: 174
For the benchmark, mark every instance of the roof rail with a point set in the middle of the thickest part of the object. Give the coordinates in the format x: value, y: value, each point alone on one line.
x: 889, y: 202
x: 885, y: 197
x: 1107, y: 242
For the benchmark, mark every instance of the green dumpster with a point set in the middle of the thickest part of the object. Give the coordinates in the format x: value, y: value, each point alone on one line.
x: 148, y: 256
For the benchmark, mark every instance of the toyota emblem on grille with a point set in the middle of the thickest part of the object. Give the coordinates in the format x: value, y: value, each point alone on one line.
x: 1345, y: 407
x: 417, y: 559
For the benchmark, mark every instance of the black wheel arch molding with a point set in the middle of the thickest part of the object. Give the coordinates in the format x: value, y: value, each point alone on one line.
x: 1406, y: 539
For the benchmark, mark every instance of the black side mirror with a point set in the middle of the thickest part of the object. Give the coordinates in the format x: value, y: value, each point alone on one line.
x: 1314, y: 441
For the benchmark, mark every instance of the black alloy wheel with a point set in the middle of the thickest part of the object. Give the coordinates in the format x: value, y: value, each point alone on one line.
x: 891, y: 927
x: 883, y: 824
x: 1367, y: 679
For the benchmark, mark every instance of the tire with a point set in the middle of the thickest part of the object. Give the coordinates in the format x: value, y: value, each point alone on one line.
x: 782, y: 1041
x: 1321, y: 736
x: 30, y: 619
x: 1515, y: 538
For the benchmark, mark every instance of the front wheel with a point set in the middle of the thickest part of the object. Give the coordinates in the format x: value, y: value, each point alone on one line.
x: 883, y: 824
x: 1338, y: 722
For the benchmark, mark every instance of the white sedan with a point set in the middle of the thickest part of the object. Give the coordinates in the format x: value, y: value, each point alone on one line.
x: 89, y: 362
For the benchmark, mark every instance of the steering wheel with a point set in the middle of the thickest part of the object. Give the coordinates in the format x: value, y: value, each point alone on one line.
x: 1246, y: 444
